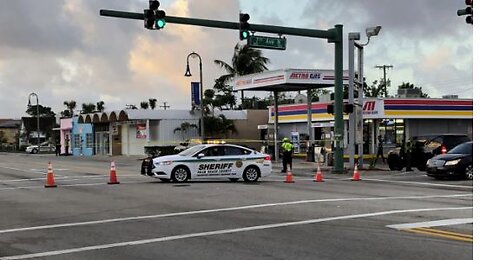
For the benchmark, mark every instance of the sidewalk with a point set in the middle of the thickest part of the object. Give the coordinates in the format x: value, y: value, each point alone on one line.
x: 304, y: 168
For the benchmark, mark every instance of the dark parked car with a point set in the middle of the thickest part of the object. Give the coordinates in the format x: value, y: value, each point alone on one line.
x: 456, y: 162
x: 424, y: 148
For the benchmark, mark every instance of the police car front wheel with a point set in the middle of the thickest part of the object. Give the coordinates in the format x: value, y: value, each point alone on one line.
x: 251, y: 174
x: 180, y: 174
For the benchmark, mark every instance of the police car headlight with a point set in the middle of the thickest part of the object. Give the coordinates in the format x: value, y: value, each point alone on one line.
x: 165, y: 163
x: 453, y: 162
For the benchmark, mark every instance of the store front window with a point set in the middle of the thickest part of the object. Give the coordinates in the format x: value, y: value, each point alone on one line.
x: 392, y: 130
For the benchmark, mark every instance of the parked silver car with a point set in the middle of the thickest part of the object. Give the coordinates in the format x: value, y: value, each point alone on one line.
x: 44, y: 147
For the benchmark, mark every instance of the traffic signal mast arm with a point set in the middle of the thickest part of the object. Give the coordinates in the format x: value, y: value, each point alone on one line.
x: 331, y: 34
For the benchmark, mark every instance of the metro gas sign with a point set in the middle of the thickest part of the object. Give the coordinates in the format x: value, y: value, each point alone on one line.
x: 305, y: 75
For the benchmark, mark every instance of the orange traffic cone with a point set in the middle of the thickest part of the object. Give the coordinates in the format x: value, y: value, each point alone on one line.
x: 289, y: 177
x: 318, y: 175
x: 50, y: 180
x: 356, y: 174
x: 113, y: 174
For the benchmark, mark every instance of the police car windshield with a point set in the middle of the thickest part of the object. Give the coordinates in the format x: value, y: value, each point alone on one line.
x: 192, y: 150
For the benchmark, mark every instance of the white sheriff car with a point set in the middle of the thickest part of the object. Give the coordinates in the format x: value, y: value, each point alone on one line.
x: 210, y: 161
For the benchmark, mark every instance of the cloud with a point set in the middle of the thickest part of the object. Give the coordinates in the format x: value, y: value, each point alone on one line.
x: 64, y: 50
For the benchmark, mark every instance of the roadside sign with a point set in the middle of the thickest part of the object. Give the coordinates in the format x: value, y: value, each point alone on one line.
x: 265, y: 42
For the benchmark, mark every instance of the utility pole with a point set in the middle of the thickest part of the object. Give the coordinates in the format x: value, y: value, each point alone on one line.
x: 165, y: 106
x: 384, y: 68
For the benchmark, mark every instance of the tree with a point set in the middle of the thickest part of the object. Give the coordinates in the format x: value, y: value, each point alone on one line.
x: 375, y: 89
x: 3, y: 139
x: 219, y: 127
x: 153, y: 103
x: 144, y: 105
x: 184, y: 127
x: 245, y: 61
x: 408, y: 85
x: 88, y: 108
x: 71, y: 105
x: 317, y: 92
x: 100, y: 106
x: 42, y: 111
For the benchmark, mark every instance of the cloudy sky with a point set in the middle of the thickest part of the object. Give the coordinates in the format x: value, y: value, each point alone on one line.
x: 64, y: 50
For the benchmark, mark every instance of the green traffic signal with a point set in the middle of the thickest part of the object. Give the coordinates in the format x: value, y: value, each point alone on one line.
x: 245, y: 35
x: 160, y: 23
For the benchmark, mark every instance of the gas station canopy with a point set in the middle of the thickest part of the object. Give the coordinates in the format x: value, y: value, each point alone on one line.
x: 287, y: 80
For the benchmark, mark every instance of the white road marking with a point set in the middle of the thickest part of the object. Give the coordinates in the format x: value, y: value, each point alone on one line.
x: 219, y: 232
x: 22, y: 170
x: 254, y: 206
x: 70, y: 178
x: 68, y: 185
x: 421, y: 183
x: 436, y: 223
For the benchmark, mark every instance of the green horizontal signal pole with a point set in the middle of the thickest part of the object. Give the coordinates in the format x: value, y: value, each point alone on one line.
x: 334, y: 35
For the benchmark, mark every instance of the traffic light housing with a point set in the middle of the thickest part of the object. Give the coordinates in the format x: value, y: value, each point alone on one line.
x: 330, y: 109
x: 160, y: 19
x: 244, y: 26
x: 347, y: 108
x: 153, y: 18
x: 467, y: 11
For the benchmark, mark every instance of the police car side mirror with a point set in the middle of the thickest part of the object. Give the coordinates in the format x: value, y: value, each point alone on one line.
x: 200, y: 155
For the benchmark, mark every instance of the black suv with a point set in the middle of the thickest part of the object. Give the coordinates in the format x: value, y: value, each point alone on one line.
x: 424, y: 148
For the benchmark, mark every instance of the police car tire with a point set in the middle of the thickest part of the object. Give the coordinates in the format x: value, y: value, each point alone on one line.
x: 182, y: 170
x: 251, y: 174
x: 35, y: 151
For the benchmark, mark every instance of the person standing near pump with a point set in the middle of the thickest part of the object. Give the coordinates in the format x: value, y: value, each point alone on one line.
x: 287, y: 148
x: 408, y: 156
x: 380, y: 149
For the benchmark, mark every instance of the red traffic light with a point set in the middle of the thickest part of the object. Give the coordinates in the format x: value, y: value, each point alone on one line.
x: 469, y: 2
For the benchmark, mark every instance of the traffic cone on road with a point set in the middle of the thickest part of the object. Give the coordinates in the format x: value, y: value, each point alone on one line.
x: 318, y: 175
x: 50, y: 179
x: 113, y: 174
x: 356, y: 174
x: 289, y: 177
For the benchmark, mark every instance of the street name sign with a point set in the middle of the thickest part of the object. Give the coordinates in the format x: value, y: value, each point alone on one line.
x: 265, y: 42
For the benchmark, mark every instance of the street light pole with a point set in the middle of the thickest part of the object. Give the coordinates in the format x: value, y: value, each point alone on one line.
x: 38, y: 117
x: 188, y: 74
x: 352, y: 120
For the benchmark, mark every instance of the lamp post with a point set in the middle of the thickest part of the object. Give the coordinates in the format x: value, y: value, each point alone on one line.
x: 352, y: 119
x: 38, y: 117
x: 188, y: 74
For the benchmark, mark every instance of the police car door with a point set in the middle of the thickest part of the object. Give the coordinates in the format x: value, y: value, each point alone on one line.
x: 237, y: 157
x: 209, y: 165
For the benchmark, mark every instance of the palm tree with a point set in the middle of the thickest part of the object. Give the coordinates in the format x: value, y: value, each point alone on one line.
x: 219, y: 127
x: 245, y: 61
x: 71, y: 105
x: 153, y: 103
x: 184, y: 127
x: 144, y: 105
x: 100, y: 106
x: 88, y: 108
